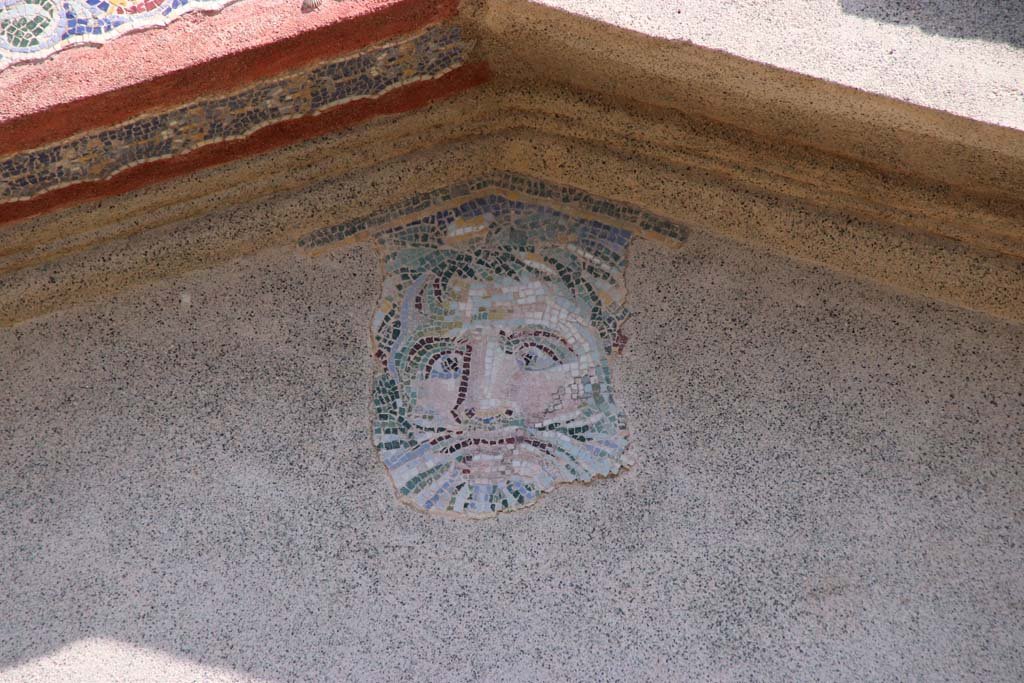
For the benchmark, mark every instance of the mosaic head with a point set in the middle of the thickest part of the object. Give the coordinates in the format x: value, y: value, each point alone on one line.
x: 493, y: 335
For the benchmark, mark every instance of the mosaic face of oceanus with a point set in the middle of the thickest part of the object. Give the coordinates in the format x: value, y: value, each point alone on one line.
x: 493, y: 335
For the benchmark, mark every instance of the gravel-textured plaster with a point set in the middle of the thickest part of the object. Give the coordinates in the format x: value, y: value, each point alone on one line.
x: 828, y: 487
x: 966, y: 58
x: 783, y: 198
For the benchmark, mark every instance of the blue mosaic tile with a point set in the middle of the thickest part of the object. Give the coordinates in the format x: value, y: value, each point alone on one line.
x: 33, y: 29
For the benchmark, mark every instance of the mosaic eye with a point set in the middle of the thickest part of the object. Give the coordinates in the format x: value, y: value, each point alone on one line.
x: 534, y: 357
x: 445, y: 366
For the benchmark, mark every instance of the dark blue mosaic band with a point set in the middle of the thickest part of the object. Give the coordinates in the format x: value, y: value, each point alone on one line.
x: 99, y: 154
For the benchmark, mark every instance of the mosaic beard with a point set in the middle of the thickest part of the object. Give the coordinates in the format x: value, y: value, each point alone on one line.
x: 484, y: 469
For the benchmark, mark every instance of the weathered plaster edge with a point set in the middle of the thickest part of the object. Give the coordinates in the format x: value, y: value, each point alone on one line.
x: 529, y: 42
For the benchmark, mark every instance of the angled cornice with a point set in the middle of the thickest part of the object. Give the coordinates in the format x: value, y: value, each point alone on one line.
x: 670, y: 146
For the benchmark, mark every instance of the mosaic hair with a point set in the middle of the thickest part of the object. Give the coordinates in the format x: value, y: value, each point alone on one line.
x: 587, y: 282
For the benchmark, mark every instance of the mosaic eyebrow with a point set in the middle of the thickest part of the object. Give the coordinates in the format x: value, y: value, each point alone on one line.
x: 541, y: 332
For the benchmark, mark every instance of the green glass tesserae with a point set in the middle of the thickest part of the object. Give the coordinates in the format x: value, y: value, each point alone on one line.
x: 493, y: 333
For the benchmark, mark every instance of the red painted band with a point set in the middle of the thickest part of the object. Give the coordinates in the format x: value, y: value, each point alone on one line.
x: 404, y: 99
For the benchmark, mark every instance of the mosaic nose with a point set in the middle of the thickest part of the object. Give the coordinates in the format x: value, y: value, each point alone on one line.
x: 490, y: 372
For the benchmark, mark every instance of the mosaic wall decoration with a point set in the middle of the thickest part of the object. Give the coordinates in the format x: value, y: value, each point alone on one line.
x: 498, y: 314
x: 99, y: 154
x: 33, y: 29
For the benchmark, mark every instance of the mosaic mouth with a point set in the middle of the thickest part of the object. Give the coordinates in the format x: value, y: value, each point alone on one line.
x: 471, y: 442
x: 495, y: 459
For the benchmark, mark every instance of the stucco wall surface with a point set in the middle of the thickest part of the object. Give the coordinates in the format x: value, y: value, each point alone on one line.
x: 827, y: 488
x: 966, y: 58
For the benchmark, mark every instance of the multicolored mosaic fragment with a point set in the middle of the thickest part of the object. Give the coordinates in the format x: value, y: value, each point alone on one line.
x: 99, y: 154
x: 493, y: 334
x: 33, y: 29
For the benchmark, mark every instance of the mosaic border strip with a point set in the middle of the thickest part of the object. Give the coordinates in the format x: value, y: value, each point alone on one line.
x: 34, y: 29
x: 97, y: 155
x: 515, y: 187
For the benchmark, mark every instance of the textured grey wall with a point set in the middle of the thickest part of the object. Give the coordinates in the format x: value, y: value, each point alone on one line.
x: 829, y: 487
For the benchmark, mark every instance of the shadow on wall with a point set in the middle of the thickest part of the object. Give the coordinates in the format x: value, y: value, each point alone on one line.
x: 996, y: 21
